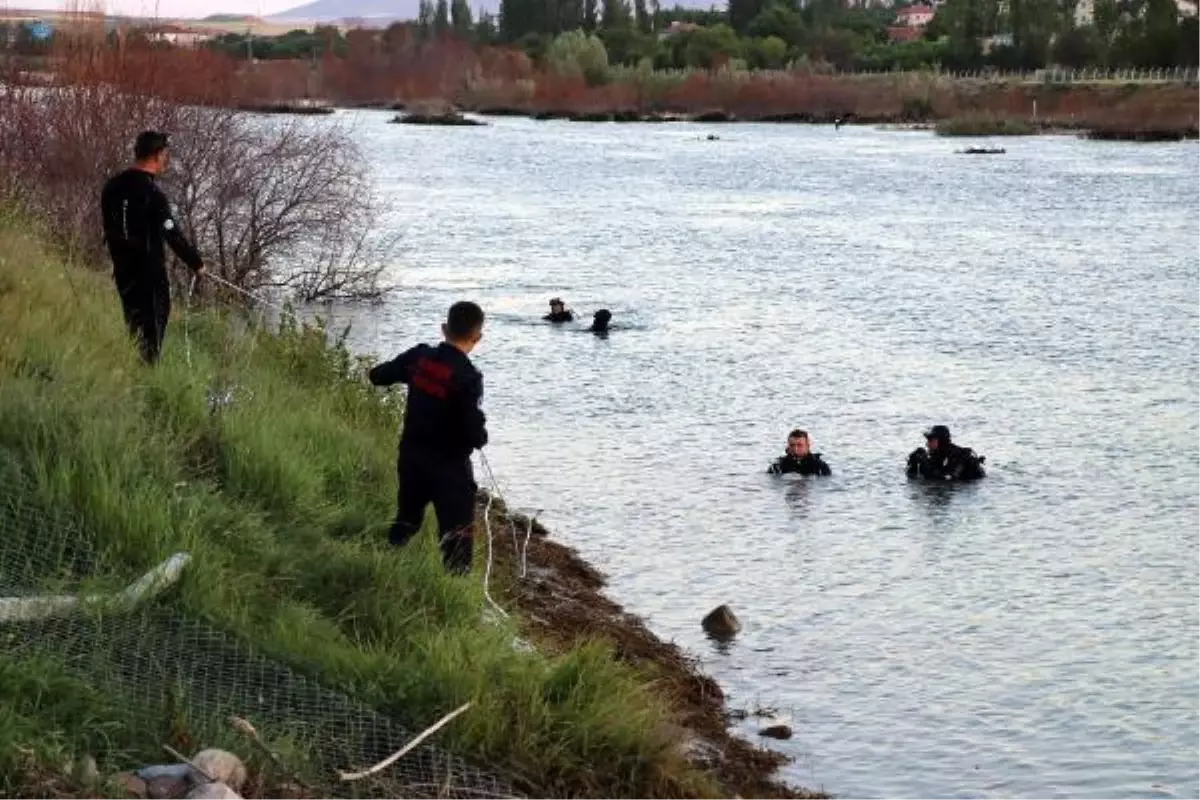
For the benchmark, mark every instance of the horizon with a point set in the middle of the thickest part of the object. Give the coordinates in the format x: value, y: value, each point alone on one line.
x: 183, y: 9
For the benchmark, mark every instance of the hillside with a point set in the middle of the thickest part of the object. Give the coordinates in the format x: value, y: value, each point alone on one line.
x: 263, y: 460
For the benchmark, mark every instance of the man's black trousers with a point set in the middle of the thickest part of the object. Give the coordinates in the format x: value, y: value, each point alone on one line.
x: 450, y: 485
x: 146, y: 301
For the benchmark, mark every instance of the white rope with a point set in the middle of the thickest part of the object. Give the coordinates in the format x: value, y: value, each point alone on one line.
x: 487, y: 570
x: 353, y: 776
x: 252, y: 295
x: 521, y: 551
x: 187, y: 315
x: 525, y: 546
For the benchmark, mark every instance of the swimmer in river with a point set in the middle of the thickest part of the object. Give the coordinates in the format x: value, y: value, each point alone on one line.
x: 942, y: 460
x: 600, y: 321
x: 799, y: 458
x: 558, y: 312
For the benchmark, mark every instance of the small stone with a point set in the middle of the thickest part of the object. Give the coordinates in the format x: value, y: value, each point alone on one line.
x: 166, y: 787
x: 222, y: 766
x: 213, y: 791
x: 721, y: 623
x: 130, y: 783
x: 777, y: 732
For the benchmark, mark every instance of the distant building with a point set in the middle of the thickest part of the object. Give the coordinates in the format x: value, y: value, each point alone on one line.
x: 1085, y: 13
x: 177, y: 35
x: 677, y: 28
x: 992, y: 42
x: 915, y: 16
x: 911, y: 21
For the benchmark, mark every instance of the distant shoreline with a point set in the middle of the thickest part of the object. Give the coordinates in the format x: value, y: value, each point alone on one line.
x: 951, y: 106
x: 965, y: 126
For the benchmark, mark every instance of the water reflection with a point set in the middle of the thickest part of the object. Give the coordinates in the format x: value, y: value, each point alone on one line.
x: 799, y: 495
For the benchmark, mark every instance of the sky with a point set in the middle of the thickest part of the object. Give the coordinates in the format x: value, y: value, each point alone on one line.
x: 166, y: 8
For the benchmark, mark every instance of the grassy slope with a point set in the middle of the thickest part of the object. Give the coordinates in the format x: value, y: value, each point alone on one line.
x: 283, y: 500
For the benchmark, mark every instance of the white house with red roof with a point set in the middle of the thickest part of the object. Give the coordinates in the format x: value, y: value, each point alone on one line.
x: 911, y: 21
x: 917, y: 15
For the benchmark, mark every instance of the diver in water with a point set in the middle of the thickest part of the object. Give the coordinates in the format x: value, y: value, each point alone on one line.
x: 600, y: 321
x: 799, y: 458
x: 942, y: 460
x: 558, y: 312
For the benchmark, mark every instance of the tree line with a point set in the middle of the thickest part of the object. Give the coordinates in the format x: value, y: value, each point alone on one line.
x: 775, y: 34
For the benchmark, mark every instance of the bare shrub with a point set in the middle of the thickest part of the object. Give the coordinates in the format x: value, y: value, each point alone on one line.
x: 286, y: 205
x: 279, y: 204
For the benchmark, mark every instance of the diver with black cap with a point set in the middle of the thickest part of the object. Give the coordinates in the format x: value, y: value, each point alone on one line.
x: 137, y: 222
x: 559, y: 312
x: 942, y: 460
x: 600, y: 322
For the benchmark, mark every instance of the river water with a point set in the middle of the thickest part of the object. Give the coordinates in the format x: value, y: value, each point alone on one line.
x: 1034, y: 634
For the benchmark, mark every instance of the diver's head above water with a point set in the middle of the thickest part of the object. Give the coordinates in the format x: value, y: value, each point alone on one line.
x: 600, y: 320
x: 798, y: 444
x: 937, y: 437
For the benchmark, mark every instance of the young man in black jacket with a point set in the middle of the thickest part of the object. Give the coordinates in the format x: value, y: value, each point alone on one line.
x: 137, y: 223
x: 799, y: 458
x: 443, y: 425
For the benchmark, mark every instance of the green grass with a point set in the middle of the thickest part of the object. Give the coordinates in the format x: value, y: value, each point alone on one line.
x: 283, y: 500
x: 984, y: 125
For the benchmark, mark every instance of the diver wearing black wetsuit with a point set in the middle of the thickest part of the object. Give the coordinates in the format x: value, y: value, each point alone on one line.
x: 942, y: 460
x: 558, y: 312
x: 137, y: 222
x: 600, y: 321
x: 799, y: 458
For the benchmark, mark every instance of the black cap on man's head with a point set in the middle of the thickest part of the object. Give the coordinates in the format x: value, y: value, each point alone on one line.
x: 148, y: 144
x: 939, y: 432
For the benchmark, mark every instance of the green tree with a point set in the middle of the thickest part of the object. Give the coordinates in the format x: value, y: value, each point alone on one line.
x: 486, y: 30
x: 441, y: 18
x: 590, y: 11
x: 965, y: 23
x: 1160, y: 34
x: 641, y: 16
x: 768, y: 53
x: 743, y: 12
x: 616, y: 15
x: 578, y: 54
x: 425, y: 17
x: 516, y: 19
x: 1188, y: 52
x: 1077, y: 48
x: 460, y: 18
x: 707, y: 46
x: 780, y: 21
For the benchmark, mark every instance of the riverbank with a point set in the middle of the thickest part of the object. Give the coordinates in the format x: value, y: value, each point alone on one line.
x: 263, y: 456
x: 1131, y: 111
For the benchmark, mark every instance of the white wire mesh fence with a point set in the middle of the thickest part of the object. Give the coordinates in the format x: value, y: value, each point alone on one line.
x: 172, y: 670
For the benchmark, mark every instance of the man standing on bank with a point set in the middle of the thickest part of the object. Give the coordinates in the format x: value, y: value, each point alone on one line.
x: 443, y: 425
x: 137, y: 221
